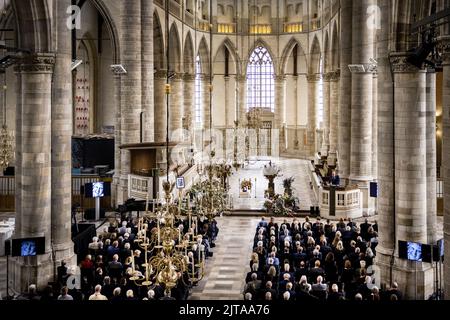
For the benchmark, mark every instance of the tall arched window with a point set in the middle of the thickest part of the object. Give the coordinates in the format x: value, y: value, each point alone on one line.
x: 260, y: 80
x: 198, y: 91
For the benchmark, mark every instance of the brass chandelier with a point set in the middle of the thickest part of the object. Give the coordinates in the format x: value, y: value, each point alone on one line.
x: 6, y: 138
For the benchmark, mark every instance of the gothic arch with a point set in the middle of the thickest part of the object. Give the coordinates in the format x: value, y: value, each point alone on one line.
x: 203, y: 52
x: 188, y: 55
x: 326, y: 54
x: 111, y: 26
x: 34, y: 25
x: 314, y: 65
x: 287, y: 53
x: 262, y: 43
x: 335, y: 47
x: 159, y: 57
x: 227, y: 43
x: 175, y: 49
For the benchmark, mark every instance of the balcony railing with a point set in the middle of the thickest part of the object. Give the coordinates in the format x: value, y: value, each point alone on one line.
x: 295, y: 27
x: 203, y: 25
x: 260, y: 29
x: 226, y: 28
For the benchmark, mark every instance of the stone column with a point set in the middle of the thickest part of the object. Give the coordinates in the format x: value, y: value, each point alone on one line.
x: 160, y: 78
x: 326, y: 113
x: 361, y: 97
x: 375, y: 126
x: 227, y: 99
x: 446, y: 159
x: 147, y: 69
x: 410, y: 151
x: 431, y: 156
x: 35, y: 142
x: 61, y: 143
x: 313, y: 80
x: 131, y: 97
x: 345, y: 91
x: 280, y: 107
x: 334, y: 115
x: 242, y: 103
x: 189, y: 104
x: 119, y: 194
x: 176, y: 108
x: 386, y: 195
x: 205, y: 103
x: 18, y: 154
x: 410, y: 174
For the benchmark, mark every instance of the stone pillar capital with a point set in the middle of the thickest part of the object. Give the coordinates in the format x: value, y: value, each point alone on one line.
x: 178, y: 76
x: 335, y: 75
x: 188, y: 77
x: 400, y: 64
x: 279, y: 78
x: 36, y: 63
x: 313, y: 77
x: 241, y: 78
x: 160, y: 74
x: 327, y: 76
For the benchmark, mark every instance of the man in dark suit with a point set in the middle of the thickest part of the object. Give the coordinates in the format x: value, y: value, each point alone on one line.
x: 335, y: 180
x: 364, y: 228
x: 335, y: 295
x: 62, y: 273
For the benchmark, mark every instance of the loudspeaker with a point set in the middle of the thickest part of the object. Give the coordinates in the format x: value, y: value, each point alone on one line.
x: 373, y: 189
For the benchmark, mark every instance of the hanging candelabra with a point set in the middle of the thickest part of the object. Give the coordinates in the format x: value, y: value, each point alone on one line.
x: 6, y: 138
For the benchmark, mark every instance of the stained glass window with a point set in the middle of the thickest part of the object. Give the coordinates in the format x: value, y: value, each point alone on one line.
x: 260, y: 80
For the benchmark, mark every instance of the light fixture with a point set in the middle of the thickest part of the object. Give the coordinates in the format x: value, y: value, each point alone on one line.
x: 118, y: 69
x: 76, y: 64
x: 6, y: 139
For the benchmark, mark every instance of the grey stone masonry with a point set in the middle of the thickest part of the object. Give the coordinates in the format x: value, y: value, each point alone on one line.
x: 131, y: 93
x: 34, y: 176
x: 61, y: 143
x: 160, y: 105
x: 431, y: 155
x: 361, y: 96
x: 147, y: 69
x: 326, y: 113
x: 345, y: 93
x: 445, y: 41
x: 313, y: 82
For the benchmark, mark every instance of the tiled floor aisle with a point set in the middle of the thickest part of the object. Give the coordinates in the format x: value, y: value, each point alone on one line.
x: 226, y: 270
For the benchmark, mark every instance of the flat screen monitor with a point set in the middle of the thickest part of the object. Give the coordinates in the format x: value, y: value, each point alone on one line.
x: 410, y: 250
x: 441, y: 247
x: 180, y: 183
x: 28, y: 247
x: 414, y: 251
x: 97, y: 189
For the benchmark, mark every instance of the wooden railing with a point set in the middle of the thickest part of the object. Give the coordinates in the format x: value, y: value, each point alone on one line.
x: 7, y: 194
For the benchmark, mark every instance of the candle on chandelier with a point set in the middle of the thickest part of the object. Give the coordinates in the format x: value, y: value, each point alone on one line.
x: 159, y: 233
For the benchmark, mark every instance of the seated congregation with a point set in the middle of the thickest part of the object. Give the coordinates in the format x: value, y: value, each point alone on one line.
x: 314, y: 261
x: 106, y: 271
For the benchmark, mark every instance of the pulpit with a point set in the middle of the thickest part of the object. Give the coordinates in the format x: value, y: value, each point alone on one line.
x: 147, y: 164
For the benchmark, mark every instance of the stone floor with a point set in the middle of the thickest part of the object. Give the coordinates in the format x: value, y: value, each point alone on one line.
x: 226, y: 270
x: 254, y: 171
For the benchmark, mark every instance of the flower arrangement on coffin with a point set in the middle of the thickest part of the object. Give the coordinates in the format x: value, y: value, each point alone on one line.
x: 277, y: 206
